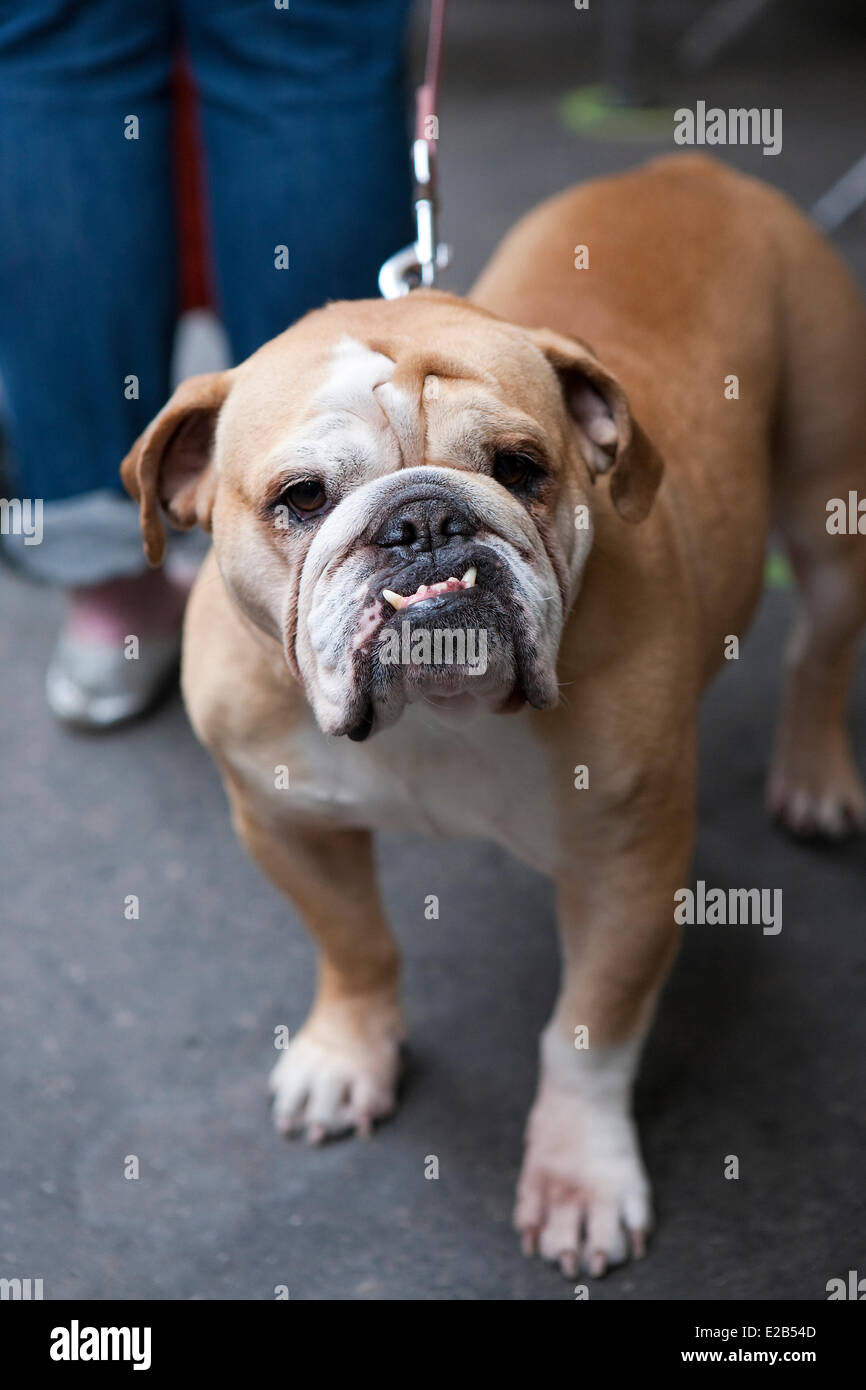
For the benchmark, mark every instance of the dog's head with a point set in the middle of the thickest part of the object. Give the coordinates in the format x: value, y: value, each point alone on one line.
x: 400, y: 493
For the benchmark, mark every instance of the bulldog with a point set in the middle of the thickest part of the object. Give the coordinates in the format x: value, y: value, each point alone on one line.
x: 384, y: 472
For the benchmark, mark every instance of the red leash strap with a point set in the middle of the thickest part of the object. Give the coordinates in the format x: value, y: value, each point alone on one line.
x: 427, y: 95
x: 417, y: 264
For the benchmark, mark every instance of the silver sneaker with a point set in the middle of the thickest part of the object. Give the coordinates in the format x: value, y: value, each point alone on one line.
x: 93, y: 685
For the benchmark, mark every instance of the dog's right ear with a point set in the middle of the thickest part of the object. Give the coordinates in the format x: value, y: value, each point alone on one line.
x: 169, y: 467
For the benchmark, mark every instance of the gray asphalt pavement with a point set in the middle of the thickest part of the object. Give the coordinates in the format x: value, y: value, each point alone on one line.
x: 154, y: 1037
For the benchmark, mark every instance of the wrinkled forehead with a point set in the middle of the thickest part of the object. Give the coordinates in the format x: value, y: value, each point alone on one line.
x: 358, y: 396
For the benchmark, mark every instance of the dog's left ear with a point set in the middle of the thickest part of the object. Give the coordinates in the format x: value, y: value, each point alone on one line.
x: 611, y: 438
x: 169, y: 467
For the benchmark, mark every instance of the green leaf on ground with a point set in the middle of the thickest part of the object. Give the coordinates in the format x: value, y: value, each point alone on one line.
x: 596, y: 112
x: 777, y: 572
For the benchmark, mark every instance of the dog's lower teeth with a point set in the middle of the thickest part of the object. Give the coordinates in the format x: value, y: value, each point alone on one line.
x: 449, y: 585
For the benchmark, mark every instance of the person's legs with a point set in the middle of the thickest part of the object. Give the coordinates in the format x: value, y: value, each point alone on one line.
x: 88, y: 295
x: 307, y: 147
x: 88, y: 302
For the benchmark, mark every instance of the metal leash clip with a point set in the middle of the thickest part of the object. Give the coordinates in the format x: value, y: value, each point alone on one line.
x: 416, y: 265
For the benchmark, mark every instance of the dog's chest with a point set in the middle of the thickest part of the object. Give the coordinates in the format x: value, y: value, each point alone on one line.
x: 429, y: 774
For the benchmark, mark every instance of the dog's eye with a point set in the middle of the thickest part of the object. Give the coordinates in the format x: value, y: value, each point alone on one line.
x: 306, y: 497
x: 513, y: 469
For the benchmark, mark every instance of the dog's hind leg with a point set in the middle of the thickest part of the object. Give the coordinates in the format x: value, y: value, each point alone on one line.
x: 340, y: 1071
x: 814, y: 787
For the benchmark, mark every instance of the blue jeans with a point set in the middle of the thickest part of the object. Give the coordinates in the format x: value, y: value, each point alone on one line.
x: 306, y: 146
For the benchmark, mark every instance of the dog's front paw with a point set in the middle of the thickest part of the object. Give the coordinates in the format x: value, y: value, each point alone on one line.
x: 583, y: 1198
x: 582, y: 1202
x: 340, y: 1073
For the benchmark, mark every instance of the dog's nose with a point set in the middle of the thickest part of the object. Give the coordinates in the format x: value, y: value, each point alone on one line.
x: 423, y: 525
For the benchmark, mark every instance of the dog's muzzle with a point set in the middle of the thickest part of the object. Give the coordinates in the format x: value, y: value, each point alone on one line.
x: 428, y: 600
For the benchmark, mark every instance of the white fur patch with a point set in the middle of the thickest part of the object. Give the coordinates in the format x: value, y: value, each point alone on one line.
x: 505, y: 790
x: 583, y: 1194
x: 356, y: 371
x: 349, y: 435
